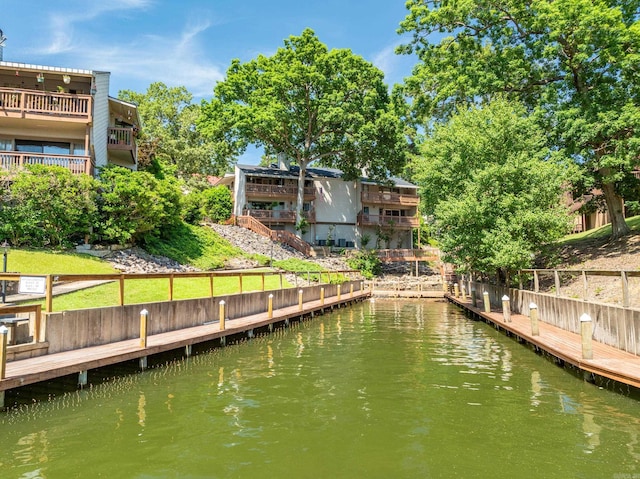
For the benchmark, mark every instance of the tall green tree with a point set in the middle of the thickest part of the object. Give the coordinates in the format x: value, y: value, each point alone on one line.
x: 169, y: 134
x: 311, y: 104
x: 575, y: 62
x: 493, y: 186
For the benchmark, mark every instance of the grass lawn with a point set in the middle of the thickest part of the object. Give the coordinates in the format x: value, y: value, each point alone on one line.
x: 147, y: 291
x: 600, y: 233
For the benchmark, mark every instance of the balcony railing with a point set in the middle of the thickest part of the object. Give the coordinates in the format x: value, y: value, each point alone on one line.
x: 402, y: 222
x: 20, y: 103
x: 277, y: 191
x: 390, y: 199
x: 120, y: 138
x: 13, y: 160
x: 279, y: 216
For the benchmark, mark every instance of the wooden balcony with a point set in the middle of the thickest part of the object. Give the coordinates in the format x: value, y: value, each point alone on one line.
x: 18, y: 103
x: 14, y: 160
x: 278, y: 216
x: 399, y: 222
x: 390, y: 199
x: 121, y: 142
x: 277, y: 191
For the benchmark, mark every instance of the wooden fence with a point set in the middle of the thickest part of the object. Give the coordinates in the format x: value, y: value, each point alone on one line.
x: 614, y: 324
x: 326, y: 276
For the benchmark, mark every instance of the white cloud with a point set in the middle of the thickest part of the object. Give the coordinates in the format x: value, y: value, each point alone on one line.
x: 177, y: 59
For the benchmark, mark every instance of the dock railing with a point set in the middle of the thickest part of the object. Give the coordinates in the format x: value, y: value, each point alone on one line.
x: 308, y: 277
x: 562, y: 296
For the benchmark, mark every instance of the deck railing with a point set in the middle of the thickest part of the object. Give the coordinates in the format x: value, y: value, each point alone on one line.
x: 402, y: 254
x: 279, y: 216
x: 21, y: 103
x: 120, y: 138
x: 388, y: 220
x: 13, y: 160
x: 275, y: 191
x: 286, y: 237
x: 324, y: 276
x: 390, y: 198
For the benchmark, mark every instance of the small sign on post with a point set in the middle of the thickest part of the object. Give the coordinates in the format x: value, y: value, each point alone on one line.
x: 32, y: 285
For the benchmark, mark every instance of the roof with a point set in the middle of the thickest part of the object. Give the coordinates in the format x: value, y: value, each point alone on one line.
x: 311, y: 173
x: 28, y: 66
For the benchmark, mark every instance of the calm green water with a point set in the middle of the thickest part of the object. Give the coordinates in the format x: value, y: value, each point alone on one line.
x: 389, y: 389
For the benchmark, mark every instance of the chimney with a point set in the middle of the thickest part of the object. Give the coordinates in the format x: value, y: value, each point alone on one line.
x: 283, y: 162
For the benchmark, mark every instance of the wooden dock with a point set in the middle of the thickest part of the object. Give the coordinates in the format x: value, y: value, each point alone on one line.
x: 608, y: 362
x: 42, y: 368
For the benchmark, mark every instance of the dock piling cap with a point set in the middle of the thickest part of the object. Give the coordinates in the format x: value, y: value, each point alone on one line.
x: 144, y: 312
x: 4, y: 329
x: 505, y: 298
x: 585, y: 318
x: 533, y: 306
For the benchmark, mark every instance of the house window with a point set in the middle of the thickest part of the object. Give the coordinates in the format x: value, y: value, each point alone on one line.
x: 392, y: 212
x: 6, y: 145
x: 46, y: 147
x: 365, y: 210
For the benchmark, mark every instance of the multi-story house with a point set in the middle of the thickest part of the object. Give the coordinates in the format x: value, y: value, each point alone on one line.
x: 65, y: 117
x: 348, y: 214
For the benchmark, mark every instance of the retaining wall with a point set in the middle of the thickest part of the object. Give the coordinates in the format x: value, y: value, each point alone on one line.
x: 68, y: 330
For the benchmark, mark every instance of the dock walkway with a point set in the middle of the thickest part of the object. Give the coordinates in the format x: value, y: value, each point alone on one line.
x: 608, y: 362
x: 42, y: 368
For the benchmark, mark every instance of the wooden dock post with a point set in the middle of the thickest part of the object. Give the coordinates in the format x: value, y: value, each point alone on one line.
x: 456, y: 290
x: 474, y: 298
x: 300, y: 293
x: 533, y: 312
x: 339, y: 291
x: 83, y: 378
x: 506, y: 308
x: 322, y: 296
x: 487, y: 302
x: 270, y: 307
x: 221, y: 315
x: 463, y: 290
x: 586, y: 330
x: 4, y: 331
x: 351, y: 291
x: 144, y: 322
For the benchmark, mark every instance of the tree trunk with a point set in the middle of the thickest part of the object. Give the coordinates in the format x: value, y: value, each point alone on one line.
x: 300, y: 197
x: 619, y: 227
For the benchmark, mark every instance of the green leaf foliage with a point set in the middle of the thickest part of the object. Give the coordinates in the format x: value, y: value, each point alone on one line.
x: 310, y: 104
x: 367, y: 262
x: 493, y: 186
x: 133, y: 204
x: 47, y: 206
x: 575, y: 63
x: 217, y: 204
x: 169, y: 135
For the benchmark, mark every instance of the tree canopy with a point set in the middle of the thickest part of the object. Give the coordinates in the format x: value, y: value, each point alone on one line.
x: 493, y: 186
x: 169, y: 134
x: 311, y: 104
x: 575, y: 63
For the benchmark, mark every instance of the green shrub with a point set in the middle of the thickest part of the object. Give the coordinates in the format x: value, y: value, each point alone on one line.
x: 367, y: 262
x: 217, y: 204
x: 47, y: 206
x: 133, y: 204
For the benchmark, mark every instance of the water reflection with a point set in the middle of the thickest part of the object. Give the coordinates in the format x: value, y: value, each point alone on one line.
x: 384, y: 389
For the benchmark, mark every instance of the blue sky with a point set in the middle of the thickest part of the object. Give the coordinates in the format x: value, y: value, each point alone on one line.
x: 192, y: 42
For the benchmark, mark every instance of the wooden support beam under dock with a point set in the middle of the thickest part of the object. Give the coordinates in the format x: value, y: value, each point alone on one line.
x: 608, y: 362
x: 42, y: 368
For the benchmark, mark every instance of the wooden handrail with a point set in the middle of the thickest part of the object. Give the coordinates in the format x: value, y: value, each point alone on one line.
x: 11, y: 160
x: 122, y: 277
x: 20, y: 102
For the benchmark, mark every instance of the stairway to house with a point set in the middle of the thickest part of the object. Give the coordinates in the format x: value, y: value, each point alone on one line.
x: 284, y: 237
